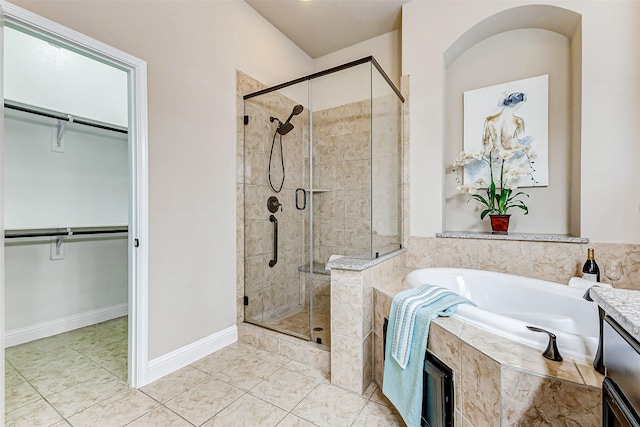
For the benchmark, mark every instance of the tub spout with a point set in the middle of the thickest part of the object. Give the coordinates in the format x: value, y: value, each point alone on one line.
x: 551, y: 352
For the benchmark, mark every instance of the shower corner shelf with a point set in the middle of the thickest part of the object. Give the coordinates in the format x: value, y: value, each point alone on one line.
x: 318, y: 190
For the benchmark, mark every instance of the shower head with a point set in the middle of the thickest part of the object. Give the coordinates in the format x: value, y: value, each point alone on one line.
x: 296, y: 110
x: 286, y: 127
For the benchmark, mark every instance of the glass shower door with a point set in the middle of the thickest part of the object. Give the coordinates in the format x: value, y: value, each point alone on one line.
x: 276, y: 213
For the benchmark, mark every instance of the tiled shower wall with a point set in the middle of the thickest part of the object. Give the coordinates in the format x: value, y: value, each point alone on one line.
x: 342, y: 164
x: 349, y: 141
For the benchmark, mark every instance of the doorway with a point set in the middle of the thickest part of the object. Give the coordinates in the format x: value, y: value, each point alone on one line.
x: 136, y: 236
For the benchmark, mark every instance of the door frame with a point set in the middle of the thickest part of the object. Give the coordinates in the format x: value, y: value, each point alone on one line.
x: 138, y: 247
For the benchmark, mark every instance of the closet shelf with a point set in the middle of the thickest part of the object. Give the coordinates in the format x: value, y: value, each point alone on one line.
x: 68, y: 231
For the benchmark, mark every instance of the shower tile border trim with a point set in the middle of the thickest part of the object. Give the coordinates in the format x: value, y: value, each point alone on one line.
x: 357, y: 264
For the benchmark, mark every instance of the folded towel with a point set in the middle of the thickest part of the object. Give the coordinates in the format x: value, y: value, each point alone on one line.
x: 578, y: 282
x: 408, y: 306
x: 408, y: 330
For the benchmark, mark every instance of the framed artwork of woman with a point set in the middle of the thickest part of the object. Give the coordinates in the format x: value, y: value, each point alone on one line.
x: 509, y: 116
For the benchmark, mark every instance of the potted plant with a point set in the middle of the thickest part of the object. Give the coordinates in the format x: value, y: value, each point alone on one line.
x: 506, y: 167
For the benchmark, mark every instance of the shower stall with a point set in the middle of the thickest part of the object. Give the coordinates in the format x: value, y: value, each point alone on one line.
x: 322, y: 179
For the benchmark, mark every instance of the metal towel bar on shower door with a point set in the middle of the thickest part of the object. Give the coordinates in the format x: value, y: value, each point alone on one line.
x: 274, y: 220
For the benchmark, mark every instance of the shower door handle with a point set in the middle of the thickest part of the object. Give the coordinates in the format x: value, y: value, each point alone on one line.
x: 274, y: 220
x: 304, y: 199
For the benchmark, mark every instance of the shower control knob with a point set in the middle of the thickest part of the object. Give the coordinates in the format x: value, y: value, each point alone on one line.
x: 273, y: 204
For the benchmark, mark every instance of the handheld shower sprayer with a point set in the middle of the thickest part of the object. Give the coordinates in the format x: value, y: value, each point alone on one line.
x: 296, y: 110
x: 283, y: 129
x: 286, y: 127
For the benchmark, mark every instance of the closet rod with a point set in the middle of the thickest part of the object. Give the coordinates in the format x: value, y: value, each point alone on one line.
x: 53, y: 232
x: 61, y: 117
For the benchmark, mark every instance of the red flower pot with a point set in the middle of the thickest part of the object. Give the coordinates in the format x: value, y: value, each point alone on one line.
x: 499, y: 224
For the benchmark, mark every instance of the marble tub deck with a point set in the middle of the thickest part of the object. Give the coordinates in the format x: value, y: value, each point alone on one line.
x: 500, y: 382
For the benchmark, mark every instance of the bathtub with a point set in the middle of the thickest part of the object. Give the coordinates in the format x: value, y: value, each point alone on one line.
x: 506, y: 304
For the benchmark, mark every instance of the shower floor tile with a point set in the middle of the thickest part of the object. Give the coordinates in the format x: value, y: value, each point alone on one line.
x: 297, y: 323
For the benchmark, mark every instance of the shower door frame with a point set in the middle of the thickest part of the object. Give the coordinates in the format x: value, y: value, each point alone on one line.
x: 310, y: 193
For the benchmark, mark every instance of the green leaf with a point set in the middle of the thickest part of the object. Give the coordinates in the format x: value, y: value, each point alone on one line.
x: 519, y: 193
x: 479, y: 198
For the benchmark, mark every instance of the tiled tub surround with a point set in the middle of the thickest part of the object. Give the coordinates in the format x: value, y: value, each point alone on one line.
x: 500, y: 382
x: 556, y: 262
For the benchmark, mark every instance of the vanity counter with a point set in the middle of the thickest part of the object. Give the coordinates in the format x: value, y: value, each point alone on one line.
x: 623, y: 305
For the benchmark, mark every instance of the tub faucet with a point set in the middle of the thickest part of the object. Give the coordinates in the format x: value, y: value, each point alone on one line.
x: 551, y: 352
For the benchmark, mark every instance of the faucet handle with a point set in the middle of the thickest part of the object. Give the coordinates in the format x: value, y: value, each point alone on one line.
x: 273, y: 204
x: 551, y: 352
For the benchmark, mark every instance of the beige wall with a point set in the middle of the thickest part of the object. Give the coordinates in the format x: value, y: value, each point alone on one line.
x: 192, y: 51
x: 506, y: 57
x: 609, y: 203
x: 386, y: 49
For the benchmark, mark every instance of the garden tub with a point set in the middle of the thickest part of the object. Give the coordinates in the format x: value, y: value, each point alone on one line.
x: 506, y: 304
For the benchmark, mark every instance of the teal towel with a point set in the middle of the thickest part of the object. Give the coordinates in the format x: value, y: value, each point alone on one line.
x: 403, y: 387
x: 404, y: 319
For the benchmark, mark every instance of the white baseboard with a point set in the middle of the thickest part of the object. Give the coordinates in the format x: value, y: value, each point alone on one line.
x: 171, y: 362
x: 47, y: 329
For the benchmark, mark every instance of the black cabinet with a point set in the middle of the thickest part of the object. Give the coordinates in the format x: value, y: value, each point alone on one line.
x: 621, y: 386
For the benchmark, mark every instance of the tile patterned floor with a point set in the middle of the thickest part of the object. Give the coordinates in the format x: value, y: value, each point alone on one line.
x: 77, y: 379
x: 297, y: 324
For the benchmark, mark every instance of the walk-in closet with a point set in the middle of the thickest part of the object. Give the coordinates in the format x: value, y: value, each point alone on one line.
x: 66, y: 185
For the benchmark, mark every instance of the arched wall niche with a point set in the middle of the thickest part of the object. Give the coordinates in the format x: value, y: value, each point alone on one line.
x: 514, y: 44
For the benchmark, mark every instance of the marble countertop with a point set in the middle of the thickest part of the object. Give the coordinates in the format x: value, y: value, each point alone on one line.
x: 623, y: 305
x: 528, y: 237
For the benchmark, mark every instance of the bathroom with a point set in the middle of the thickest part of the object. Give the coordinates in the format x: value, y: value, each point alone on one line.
x: 193, y: 273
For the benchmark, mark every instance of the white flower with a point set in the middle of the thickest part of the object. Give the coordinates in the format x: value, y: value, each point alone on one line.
x: 510, y: 174
x: 461, y: 160
x: 505, y: 154
x: 480, y: 183
x: 467, y: 189
x: 511, y: 185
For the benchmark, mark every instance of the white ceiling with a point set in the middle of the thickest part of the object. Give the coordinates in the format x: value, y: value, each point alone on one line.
x: 320, y: 27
